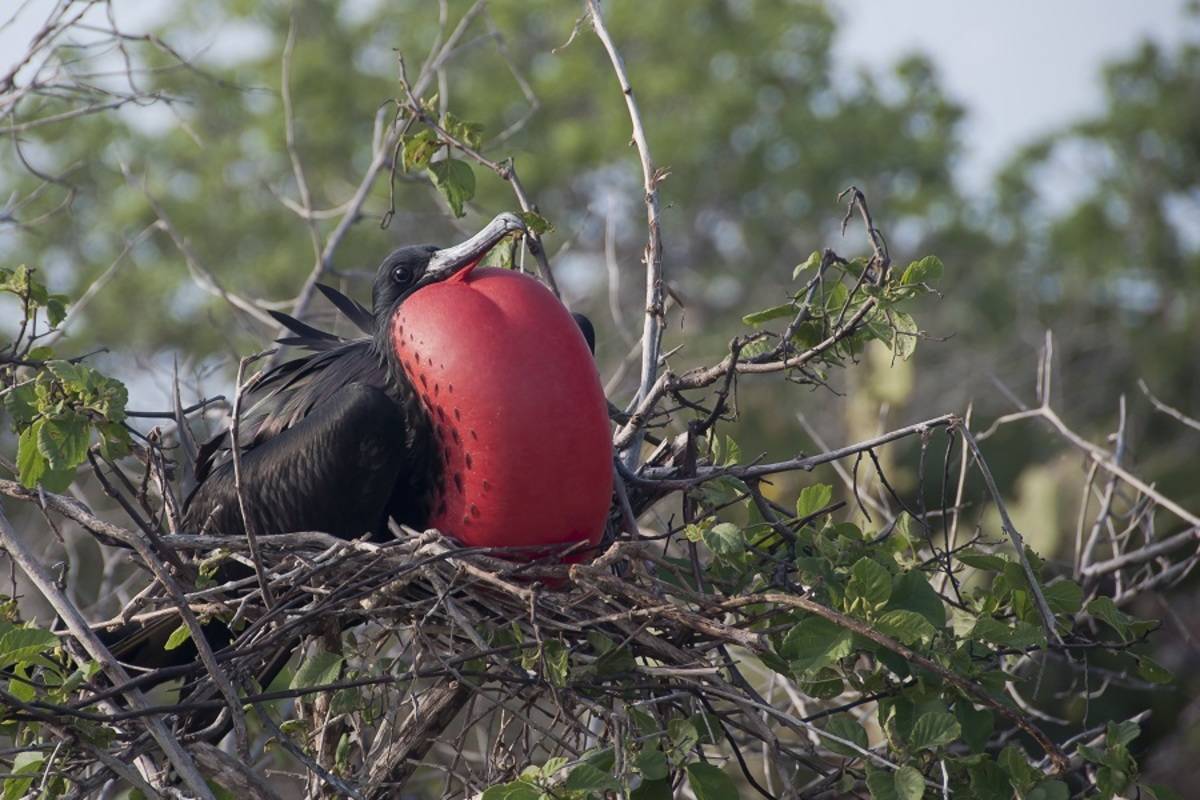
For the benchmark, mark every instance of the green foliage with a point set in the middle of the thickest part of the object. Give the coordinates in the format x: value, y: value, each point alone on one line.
x: 536, y: 223
x: 845, y: 727
x: 33, y: 295
x: 456, y: 180
x: 320, y: 668
x: 59, y: 410
x: 842, y: 303
x: 905, y: 783
x: 178, y: 637
x: 710, y: 783
x: 24, y: 646
x: 812, y: 499
x: 1127, y: 627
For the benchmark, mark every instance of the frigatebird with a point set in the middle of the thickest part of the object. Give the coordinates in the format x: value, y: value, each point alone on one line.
x: 471, y: 404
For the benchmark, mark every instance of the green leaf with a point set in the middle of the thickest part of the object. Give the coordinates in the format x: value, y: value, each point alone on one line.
x: 1104, y: 609
x: 31, y: 464
x: 659, y: 789
x: 904, y: 334
x: 1021, y: 635
x: 725, y: 539
x: 558, y: 662
x: 22, y: 689
x: 21, y: 405
x: 768, y: 314
x: 1111, y: 782
x: 989, y: 782
x: 1049, y: 790
x: 812, y: 262
x: 1121, y: 734
x: 710, y: 783
x: 907, y: 626
x: 114, y: 440
x: 470, y: 133
x: 419, y: 149
x: 977, y: 725
x: 683, y: 736
x: 1064, y: 596
x: 812, y: 499
x: 909, y: 783
x: 553, y: 765
x: 905, y: 783
x: 26, y: 763
x: 18, y: 645
x: 178, y: 637
x: 934, y: 729
x: 1014, y: 761
x: 516, y: 790
x: 824, y: 685
x: 1152, y: 671
x: 928, y: 270
x: 869, y: 583
x: 912, y: 592
x: 652, y: 763
x: 586, y: 778
x: 1156, y: 791
x: 708, y: 727
x: 815, y: 643
x: 615, y: 662
x: 535, y: 222
x: 319, y: 669
x: 456, y: 181
x: 56, y: 309
x: 983, y: 561
x: 880, y: 783
x: 73, y: 376
x: 502, y: 256
x: 602, y: 759
x: 836, y: 295
x: 64, y: 442
x: 845, y: 727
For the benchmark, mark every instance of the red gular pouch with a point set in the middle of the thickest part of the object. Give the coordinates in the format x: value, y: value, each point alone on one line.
x: 518, y: 411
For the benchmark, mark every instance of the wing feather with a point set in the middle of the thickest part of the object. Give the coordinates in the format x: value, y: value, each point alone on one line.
x: 359, y: 314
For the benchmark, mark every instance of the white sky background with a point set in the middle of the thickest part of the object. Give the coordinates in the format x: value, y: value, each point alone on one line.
x: 1020, y: 67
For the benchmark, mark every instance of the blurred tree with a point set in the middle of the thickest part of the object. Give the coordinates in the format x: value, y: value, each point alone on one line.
x: 741, y: 103
x: 1093, y: 232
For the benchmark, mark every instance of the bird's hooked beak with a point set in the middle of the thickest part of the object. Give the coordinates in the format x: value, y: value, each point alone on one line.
x: 460, y: 259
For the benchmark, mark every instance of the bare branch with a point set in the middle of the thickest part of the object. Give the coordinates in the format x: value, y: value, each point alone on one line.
x: 653, y: 321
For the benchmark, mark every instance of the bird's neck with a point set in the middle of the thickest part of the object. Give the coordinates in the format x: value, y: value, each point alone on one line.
x: 412, y: 506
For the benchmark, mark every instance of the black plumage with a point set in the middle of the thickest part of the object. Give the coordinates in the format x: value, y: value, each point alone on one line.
x: 336, y: 440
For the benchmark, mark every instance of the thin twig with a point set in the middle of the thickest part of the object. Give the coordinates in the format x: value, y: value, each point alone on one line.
x: 652, y: 324
x: 236, y: 450
x: 78, y: 627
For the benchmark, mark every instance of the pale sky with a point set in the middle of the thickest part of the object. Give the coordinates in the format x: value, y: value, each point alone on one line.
x: 1021, y: 67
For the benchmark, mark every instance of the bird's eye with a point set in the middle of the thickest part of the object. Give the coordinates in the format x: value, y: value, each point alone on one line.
x: 401, y: 274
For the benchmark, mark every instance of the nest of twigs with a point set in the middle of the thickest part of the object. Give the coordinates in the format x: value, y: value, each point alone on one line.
x: 550, y: 660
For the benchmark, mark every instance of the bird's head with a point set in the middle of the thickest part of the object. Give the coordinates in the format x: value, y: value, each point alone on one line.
x: 409, y: 269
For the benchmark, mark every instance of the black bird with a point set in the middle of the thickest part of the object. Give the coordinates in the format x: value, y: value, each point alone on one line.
x: 339, y: 440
